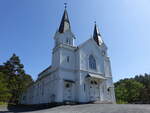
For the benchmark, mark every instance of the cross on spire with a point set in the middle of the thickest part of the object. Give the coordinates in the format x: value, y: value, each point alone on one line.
x: 65, y: 4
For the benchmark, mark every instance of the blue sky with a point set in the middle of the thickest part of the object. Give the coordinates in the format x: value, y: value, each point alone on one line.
x: 27, y: 28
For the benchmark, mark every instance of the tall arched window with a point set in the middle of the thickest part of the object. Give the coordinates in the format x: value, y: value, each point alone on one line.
x: 92, y: 62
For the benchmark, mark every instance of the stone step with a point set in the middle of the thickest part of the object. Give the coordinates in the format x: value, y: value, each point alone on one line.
x: 102, y: 102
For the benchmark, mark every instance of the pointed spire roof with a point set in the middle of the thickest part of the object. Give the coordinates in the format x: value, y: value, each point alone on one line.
x: 65, y: 24
x: 97, y: 35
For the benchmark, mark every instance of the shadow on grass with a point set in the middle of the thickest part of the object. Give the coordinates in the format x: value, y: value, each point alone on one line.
x: 29, y: 108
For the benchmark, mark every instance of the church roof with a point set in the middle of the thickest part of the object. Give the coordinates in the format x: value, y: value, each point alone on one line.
x: 49, y: 67
x: 65, y: 24
x: 97, y: 35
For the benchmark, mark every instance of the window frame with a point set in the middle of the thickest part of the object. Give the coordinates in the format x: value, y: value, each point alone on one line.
x: 92, y: 62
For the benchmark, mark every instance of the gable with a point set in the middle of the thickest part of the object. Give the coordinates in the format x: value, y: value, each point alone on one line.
x: 91, y: 48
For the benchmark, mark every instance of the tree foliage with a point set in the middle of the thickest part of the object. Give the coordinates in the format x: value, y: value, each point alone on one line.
x: 133, y: 90
x: 4, y: 91
x: 13, y: 80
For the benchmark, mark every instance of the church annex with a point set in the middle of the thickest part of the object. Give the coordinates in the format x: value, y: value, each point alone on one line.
x: 79, y: 74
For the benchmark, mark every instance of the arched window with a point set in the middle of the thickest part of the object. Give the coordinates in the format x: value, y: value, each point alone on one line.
x: 92, y: 62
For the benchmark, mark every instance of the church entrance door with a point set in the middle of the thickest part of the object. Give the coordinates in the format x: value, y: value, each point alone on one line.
x: 68, y: 91
x: 91, y: 91
x: 97, y: 91
x: 94, y: 90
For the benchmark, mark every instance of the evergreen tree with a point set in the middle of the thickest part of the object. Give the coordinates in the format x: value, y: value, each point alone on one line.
x: 4, y: 91
x: 16, y: 77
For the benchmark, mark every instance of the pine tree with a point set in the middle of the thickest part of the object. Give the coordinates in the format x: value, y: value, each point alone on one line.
x: 16, y: 77
x: 4, y: 91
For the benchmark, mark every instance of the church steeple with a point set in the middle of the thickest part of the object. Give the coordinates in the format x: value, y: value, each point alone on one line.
x: 97, y: 35
x: 64, y: 34
x: 65, y: 23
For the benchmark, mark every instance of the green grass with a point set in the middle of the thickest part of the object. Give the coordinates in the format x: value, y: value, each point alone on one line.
x: 3, y: 103
x: 121, y: 102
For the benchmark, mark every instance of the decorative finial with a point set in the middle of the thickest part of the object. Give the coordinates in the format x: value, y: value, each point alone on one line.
x: 65, y: 5
x: 95, y: 22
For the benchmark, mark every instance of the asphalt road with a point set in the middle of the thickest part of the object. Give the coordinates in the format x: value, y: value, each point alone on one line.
x: 85, y: 108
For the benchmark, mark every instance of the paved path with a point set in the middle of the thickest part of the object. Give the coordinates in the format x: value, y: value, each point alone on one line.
x: 85, y: 108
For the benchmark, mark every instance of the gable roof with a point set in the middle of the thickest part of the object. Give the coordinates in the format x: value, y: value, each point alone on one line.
x: 103, y: 45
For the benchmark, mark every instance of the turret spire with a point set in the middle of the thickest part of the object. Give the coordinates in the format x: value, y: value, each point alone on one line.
x: 97, y: 35
x: 65, y: 24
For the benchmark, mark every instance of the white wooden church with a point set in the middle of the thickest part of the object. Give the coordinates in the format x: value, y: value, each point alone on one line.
x: 79, y: 74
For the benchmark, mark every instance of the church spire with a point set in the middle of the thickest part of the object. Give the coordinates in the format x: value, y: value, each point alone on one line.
x: 97, y: 35
x: 65, y: 24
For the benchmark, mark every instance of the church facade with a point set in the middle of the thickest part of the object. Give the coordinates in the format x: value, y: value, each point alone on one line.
x: 79, y: 74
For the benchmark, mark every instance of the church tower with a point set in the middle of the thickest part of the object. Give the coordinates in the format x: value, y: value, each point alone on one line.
x: 64, y: 34
x: 63, y: 51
